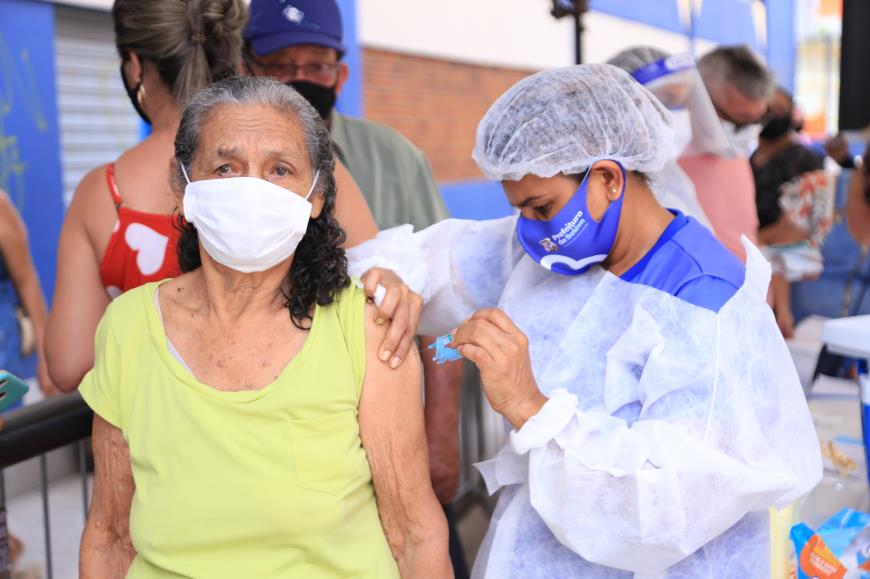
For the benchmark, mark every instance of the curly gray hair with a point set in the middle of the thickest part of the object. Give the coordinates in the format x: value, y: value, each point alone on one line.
x: 255, y: 91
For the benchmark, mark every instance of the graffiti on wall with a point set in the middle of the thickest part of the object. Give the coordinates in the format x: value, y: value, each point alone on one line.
x: 19, y: 95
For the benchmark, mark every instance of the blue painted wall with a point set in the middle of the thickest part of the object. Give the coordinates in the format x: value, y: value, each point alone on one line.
x: 350, y: 100
x: 475, y: 200
x: 30, y: 169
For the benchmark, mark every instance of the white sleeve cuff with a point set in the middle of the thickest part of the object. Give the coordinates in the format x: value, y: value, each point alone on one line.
x: 543, y: 427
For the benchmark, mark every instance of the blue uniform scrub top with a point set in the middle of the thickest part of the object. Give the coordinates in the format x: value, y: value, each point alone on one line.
x: 688, y: 262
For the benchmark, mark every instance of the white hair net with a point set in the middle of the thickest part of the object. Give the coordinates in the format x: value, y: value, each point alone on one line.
x: 563, y: 120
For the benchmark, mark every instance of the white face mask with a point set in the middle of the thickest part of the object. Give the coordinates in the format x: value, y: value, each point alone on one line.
x: 245, y: 223
x: 743, y: 139
x: 682, y: 124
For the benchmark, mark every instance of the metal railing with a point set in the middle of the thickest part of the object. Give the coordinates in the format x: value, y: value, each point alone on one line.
x: 32, y: 432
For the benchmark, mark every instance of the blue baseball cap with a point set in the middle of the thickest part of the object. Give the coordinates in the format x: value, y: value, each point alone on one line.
x: 276, y: 24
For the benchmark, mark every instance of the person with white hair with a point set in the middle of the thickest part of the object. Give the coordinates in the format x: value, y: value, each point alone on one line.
x: 654, y: 410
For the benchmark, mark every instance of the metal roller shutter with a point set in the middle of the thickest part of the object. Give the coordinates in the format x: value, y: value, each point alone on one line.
x: 97, y: 121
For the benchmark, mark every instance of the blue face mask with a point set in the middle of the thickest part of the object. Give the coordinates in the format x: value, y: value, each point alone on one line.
x: 572, y: 241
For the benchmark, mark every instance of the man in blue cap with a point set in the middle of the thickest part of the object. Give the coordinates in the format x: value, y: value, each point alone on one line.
x: 299, y: 42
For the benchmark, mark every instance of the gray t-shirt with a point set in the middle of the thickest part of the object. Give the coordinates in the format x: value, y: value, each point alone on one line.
x: 394, y: 175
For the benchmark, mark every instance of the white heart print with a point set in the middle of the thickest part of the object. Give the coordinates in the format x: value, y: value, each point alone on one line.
x: 150, y: 245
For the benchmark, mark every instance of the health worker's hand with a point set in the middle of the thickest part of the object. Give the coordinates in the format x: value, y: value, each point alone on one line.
x: 401, y: 307
x: 500, y: 351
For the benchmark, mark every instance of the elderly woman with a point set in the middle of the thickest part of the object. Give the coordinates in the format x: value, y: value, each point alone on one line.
x: 656, y: 414
x: 244, y: 426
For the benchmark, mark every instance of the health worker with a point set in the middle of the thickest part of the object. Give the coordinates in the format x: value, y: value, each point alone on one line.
x: 654, y: 411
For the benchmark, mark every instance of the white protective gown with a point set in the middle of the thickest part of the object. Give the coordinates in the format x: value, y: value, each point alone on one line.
x: 669, y: 431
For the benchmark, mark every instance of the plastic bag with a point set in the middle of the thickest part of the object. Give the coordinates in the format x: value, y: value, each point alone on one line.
x: 838, y: 550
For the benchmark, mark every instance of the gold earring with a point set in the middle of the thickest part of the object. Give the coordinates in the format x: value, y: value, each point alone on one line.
x: 140, y: 93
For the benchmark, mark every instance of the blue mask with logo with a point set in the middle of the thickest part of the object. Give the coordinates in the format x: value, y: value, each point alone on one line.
x: 572, y: 242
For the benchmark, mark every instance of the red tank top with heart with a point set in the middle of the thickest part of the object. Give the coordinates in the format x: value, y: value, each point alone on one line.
x: 142, y: 248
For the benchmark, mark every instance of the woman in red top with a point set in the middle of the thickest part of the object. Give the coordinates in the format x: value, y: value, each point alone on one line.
x: 119, y: 231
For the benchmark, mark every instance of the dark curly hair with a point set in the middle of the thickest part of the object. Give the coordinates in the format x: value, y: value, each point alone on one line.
x: 319, y: 269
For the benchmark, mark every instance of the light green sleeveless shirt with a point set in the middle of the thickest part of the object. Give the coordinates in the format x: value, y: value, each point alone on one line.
x: 267, y: 483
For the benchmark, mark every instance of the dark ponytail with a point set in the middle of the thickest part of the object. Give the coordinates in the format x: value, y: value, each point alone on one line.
x: 192, y: 43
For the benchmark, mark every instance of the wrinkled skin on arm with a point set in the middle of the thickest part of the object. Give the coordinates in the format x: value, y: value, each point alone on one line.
x: 394, y: 438
x: 106, y: 551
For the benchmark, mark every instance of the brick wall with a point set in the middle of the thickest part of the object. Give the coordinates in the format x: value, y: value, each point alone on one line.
x: 436, y: 104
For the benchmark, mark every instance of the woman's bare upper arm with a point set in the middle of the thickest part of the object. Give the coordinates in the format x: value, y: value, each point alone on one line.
x: 351, y: 209
x: 391, y: 416
x: 392, y: 400
x: 393, y: 435
x: 79, y: 296
x: 113, y: 479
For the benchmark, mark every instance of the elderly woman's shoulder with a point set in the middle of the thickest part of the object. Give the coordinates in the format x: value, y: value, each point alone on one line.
x: 355, y: 311
x: 351, y: 298
x: 132, y: 307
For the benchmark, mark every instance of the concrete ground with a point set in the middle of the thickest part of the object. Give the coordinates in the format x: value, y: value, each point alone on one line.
x: 67, y: 521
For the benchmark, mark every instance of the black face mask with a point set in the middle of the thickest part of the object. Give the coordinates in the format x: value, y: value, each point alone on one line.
x: 133, y: 92
x: 322, y: 98
x: 776, y: 127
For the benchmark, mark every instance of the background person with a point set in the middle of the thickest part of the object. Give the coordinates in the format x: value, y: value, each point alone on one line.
x: 842, y: 287
x: 20, y: 293
x: 302, y: 45
x: 284, y: 447
x: 739, y: 86
x: 119, y: 231
x: 778, y: 159
x: 675, y: 81
x: 794, y: 196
